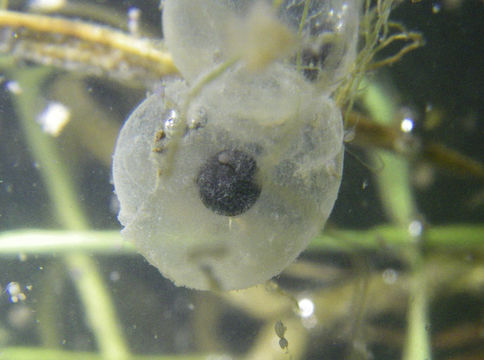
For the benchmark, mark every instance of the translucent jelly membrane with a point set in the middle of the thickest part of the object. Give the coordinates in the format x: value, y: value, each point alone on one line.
x: 266, y: 108
x: 319, y: 39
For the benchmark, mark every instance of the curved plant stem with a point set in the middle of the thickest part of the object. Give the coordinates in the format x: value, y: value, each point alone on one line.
x: 64, y: 42
x: 398, y: 201
x: 83, y: 270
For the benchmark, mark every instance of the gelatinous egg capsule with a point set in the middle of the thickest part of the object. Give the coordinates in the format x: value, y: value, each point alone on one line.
x: 318, y: 37
x: 223, y: 178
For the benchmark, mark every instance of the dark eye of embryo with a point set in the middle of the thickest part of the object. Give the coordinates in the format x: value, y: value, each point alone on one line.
x: 227, y: 183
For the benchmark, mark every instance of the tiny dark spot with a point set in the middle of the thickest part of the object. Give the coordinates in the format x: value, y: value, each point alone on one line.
x: 227, y: 183
x: 160, y: 135
x: 313, y: 62
x: 283, y: 343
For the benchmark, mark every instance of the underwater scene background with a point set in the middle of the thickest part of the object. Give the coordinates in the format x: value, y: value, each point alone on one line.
x: 397, y: 273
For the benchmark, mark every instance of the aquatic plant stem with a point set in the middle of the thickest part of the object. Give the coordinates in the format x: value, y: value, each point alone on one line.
x: 48, y: 242
x: 29, y: 353
x: 398, y: 201
x: 417, y: 345
x: 99, y: 308
x: 83, y: 270
x: 450, y: 238
x: 46, y: 157
x: 393, y: 178
x: 155, y: 60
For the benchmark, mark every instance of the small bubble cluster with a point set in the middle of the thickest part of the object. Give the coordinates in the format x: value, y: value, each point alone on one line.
x: 15, y: 292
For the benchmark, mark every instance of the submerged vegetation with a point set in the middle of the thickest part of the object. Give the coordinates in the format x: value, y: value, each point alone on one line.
x: 398, y: 273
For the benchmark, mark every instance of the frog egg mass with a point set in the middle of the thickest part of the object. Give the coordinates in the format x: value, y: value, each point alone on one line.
x: 226, y: 175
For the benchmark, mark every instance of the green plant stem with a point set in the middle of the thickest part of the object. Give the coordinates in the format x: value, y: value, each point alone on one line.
x: 54, y: 173
x: 417, y: 345
x: 27, y: 353
x: 48, y: 242
x: 84, y: 272
x: 465, y: 237
x: 99, y: 308
x: 398, y: 201
x: 393, y: 179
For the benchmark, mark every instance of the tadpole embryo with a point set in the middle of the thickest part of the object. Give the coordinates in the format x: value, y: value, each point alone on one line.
x: 227, y: 183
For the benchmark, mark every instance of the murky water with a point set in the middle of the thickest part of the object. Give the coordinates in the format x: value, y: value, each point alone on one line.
x: 398, y: 272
